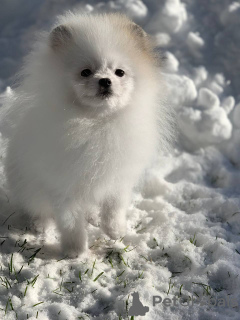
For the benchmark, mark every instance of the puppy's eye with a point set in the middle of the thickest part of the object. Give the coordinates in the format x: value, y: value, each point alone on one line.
x: 119, y: 73
x: 86, y: 73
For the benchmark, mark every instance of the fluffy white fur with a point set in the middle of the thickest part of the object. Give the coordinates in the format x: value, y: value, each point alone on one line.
x: 74, y: 152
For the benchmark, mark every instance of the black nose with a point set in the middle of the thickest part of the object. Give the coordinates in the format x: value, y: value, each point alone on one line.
x: 105, y: 82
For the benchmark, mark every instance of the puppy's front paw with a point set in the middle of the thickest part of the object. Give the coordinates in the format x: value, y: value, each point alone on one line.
x: 73, y: 245
x: 71, y: 250
x: 114, y: 229
x: 92, y: 216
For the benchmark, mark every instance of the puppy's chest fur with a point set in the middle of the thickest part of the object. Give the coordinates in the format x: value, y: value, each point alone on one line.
x: 101, y: 148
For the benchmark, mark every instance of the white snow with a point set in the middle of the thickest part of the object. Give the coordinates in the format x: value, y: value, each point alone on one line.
x: 207, y: 99
x: 194, y: 42
x: 172, y: 63
x: 184, y: 223
x: 170, y: 16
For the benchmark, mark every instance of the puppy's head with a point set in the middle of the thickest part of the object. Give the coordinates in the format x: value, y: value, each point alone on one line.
x: 103, y: 58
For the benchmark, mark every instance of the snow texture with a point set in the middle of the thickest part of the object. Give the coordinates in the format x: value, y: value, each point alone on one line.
x: 183, y: 236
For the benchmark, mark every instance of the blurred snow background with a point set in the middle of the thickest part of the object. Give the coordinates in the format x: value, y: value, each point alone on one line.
x: 184, y: 225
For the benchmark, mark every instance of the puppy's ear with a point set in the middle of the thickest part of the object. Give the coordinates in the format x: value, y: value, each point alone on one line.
x: 60, y: 37
x: 138, y: 30
x: 141, y: 36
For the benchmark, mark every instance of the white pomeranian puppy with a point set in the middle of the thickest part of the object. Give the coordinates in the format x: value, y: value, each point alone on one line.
x: 90, y: 123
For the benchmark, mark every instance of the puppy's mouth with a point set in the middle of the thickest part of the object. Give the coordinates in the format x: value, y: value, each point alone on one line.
x: 105, y: 93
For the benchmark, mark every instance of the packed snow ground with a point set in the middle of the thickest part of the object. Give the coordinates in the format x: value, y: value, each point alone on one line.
x: 183, y: 236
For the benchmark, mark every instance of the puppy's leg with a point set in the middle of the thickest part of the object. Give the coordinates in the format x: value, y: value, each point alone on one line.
x: 34, y: 215
x: 92, y: 215
x: 113, y: 216
x: 72, y: 226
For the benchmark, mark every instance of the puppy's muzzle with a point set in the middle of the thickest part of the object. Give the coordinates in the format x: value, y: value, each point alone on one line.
x: 105, y: 83
x: 105, y: 87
